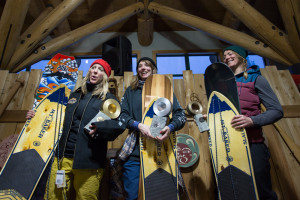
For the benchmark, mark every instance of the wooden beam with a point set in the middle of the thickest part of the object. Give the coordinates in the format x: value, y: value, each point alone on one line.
x: 35, y: 8
x: 40, y: 32
x: 64, y: 26
x: 145, y: 26
x: 230, y: 20
x: 4, y: 103
x: 294, y: 148
x: 291, y: 111
x: 219, y: 31
x: 296, y: 8
x: 13, y: 116
x: 288, y: 15
x: 35, y: 24
x: 73, y: 36
x: 11, y: 23
x: 145, y: 31
x: 261, y: 26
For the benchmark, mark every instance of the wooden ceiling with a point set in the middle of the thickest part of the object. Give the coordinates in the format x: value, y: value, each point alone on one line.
x: 258, y: 25
x: 91, y: 10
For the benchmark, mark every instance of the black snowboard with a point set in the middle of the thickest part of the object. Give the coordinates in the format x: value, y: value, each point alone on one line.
x: 219, y: 77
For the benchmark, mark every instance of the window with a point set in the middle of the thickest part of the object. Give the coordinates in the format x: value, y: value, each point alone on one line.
x: 171, y: 64
x: 199, y: 63
x: 255, y: 60
x: 83, y: 63
x: 40, y: 65
x: 175, y: 63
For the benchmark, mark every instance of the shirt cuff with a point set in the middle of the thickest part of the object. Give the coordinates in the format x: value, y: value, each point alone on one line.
x: 135, y: 125
x: 171, y: 126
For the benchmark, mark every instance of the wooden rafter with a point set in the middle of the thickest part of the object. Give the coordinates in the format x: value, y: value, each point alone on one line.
x: 145, y: 26
x: 42, y: 31
x: 36, y: 23
x: 11, y: 23
x: 219, y: 31
x: 73, y: 36
x: 64, y: 26
x: 261, y: 26
x: 288, y: 14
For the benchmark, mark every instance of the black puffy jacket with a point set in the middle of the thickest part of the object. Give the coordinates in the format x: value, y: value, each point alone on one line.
x: 89, y: 153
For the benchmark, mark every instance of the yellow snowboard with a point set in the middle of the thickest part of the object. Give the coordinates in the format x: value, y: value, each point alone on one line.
x: 158, y: 161
x: 34, y: 147
x: 230, y: 152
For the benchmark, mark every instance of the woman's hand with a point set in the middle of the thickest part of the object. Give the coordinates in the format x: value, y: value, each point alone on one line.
x: 165, y: 133
x: 241, y: 121
x: 145, y: 130
x: 93, y: 132
x: 30, y: 114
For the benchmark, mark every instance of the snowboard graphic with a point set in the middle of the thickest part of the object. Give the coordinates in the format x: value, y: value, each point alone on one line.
x: 61, y: 69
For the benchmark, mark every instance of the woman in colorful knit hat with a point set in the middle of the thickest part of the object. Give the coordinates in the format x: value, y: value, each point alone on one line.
x: 254, y: 90
x: 82, y: 155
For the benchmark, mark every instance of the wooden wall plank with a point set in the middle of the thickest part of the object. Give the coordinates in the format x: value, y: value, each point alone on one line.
x: 16, y: 102
x: 202, y: 178
x: 290, y: 87
x: 281, y: 163
x: 200, y: 90
x: 291, y: 111
x: 179, y: 92
x: 270, y: 73
x: 79, y: 80
x: 287, y: 168
x: 7, y: 128
x: 30, y: 90
x: 3, y: 75
x: 120, y: 86
x: 205, y: 161
x: 187, y: 175
x: 128, y: 76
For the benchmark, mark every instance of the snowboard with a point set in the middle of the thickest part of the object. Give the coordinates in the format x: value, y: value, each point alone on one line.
x: 159, y: 168
x: 61, y: 69
x: 34, y: 146
x: 229, y: 147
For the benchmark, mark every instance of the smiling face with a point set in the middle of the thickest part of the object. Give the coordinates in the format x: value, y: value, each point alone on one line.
x: 233, y: 60
x: 144, y: 70
x: 96, y: 73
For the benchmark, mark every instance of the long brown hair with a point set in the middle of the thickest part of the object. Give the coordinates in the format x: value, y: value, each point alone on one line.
x: 101, y: 89
x: 135, y: 82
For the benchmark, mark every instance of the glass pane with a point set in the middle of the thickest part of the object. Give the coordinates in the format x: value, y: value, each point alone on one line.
x: 134, y: 61
x: 255, y: 60
x: 170, y: 64
x: 198, y: 64
x: 40, y: 65
x: 85, y: 64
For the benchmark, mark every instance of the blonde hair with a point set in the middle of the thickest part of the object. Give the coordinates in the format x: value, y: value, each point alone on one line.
x: 244, y: 62
x: 135, y: 82
x: 101, y: 89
